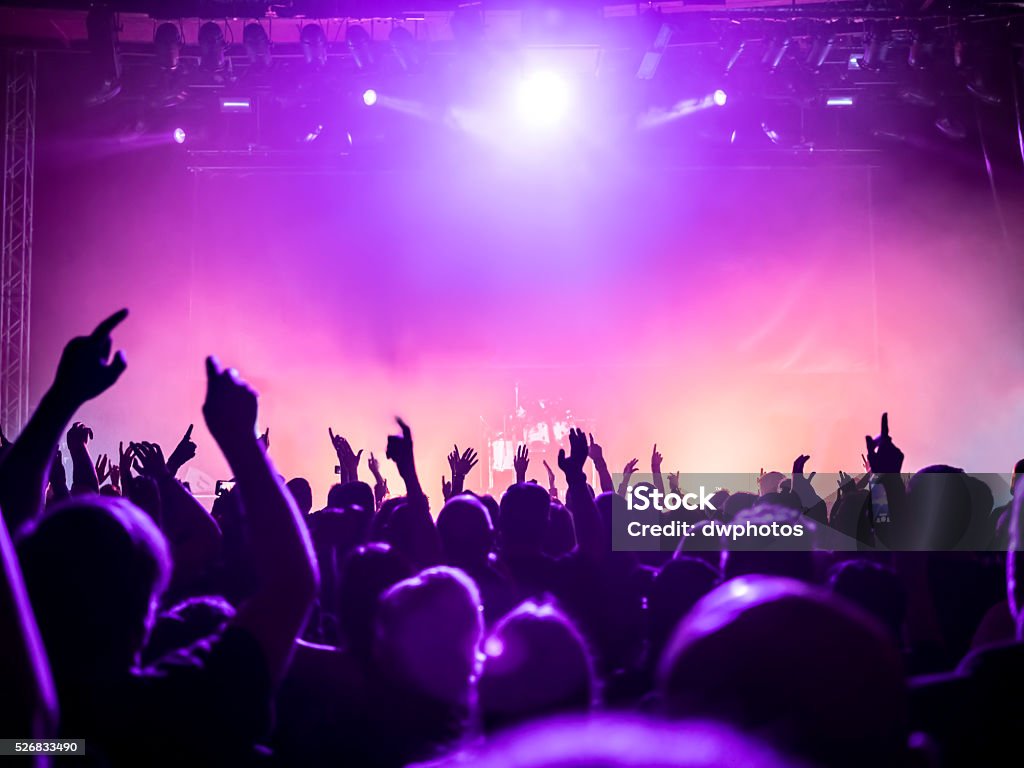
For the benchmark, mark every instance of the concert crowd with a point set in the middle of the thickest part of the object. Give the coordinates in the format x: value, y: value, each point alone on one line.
x: 366, y: 629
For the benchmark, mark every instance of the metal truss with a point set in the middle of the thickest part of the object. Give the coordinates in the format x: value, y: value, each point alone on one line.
x: 16, y: 238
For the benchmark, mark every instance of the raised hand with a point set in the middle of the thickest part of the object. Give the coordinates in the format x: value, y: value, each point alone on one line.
x: 374, y: 466
x: 466, y: 462
x: 596, y: 451
x: 551, y: 474
x: 78, y: 436
x: 572, y: 465
x: 802, y: 484
x: 399, y: 450
x: 86, y: 368
x: 58, y: 477
x: 150, y: 461
x: 521, y: 462
x: 882, y: 454
x: 630, y: 468
x: 347, y: 458
x: 265, y: 439
x: 229, y: 409
x: 673, y: 481
x: 124, y: 462
x: 103, y: 467
x: 446, y: 488
x: 655, y: 460
x: 183, y: 451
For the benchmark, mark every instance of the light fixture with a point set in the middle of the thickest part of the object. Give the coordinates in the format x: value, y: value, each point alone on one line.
x: 403, y: 45
x: 179, y: 135
x: 235, y: 104
x: 257, y: 45
x: 719, y: 97
x: 360, y: 46
x: 369, y: 97
x: 211, y: 47
x: 776, y: 52
x: 542, y: 99
x: 821, y: 46
x: 167, y: 46
x: 839, y: 101
x: 101, y: 28
x: 314, y: 45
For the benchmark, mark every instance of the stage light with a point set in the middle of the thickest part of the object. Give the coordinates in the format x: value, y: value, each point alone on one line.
x: 737, y: 52
x: 211, y: 47
x: 101, y: 28
x: 179, y: 136
x: 839, y: 101
x: 543, y: 99
x: 820, y: 49
x: 167, y: 46
x: 720, y: 97
x: 369, y: 97
x: 360, y: 46
x: 404, y: 47
x: 257, y: 45
x: 314, y: 134
x: 951, y: 128
x: 876, y: 47
x: 919, y: 53
x: 314, y: 45
x: 776, y: 52
x: 235, y: 104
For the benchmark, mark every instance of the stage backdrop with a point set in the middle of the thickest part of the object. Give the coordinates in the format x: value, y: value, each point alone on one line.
x: 736, y: 317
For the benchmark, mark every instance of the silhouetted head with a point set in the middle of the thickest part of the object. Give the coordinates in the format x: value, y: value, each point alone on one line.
x: 368, y: 572
x: 355, y: 493
x: 465, y: 530
x: 676, y: 588
x: 95, y: 568
x: 302, y: 493
x: 560, y: 538
x: 774, y: 555
x: 523, y: 520
x: 620, y: 741
x: 411, y: 531
x: 736, y: 503
x: 536, y: 665
x: 939, y: 508
x: 875, y: 588
x: 769, y: 482
x: 428, y: 634
x: 781, y: 658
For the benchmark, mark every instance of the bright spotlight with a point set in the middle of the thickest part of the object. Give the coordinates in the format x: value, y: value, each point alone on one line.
x: 179, y: 135
x: 719, y: 97
x: 369, y: 97
x: 543, y: 99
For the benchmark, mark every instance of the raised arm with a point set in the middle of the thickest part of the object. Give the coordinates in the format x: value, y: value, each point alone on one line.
x: 603, y: 475
x: 659, y: 481
x: 552, y: 488
x: 348, y: 459
x: 461, y: 465
x: 399, y: 450
x: 84, y: 477
x: 276, y: 612
x: 183, y: 452
x: 521, y: 462
x: 590, y: 538
x: 194, y: 536
x: 85, y: 371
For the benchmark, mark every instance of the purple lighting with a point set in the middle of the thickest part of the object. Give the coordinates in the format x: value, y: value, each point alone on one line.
x: 543, y: 99
x: 719, y: 97
x: 179, y: 135
x: 369, y: 97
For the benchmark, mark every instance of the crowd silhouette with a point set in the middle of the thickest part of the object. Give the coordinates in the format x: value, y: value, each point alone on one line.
x: 507, y: 632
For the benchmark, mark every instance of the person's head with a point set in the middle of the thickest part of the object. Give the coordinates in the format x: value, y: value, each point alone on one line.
x: 523, y: 519
x: 560, y: 537
x: 428, y: 634
x: 366, y: 574
x: 770, y: 554
x: 676, y: 588
x: 1018, y: 473
x: 737, y: 503
x: 410, y: 529
x: 619, y: 741
x: 779, y: 657
x: 536, y: 664
x: 302, y: 493
x: 875, y: 588
x: 465, y: 530
x: 769, y: 482
x: 95, y: 568
x: 356, y: 493
x: 939, y: 508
